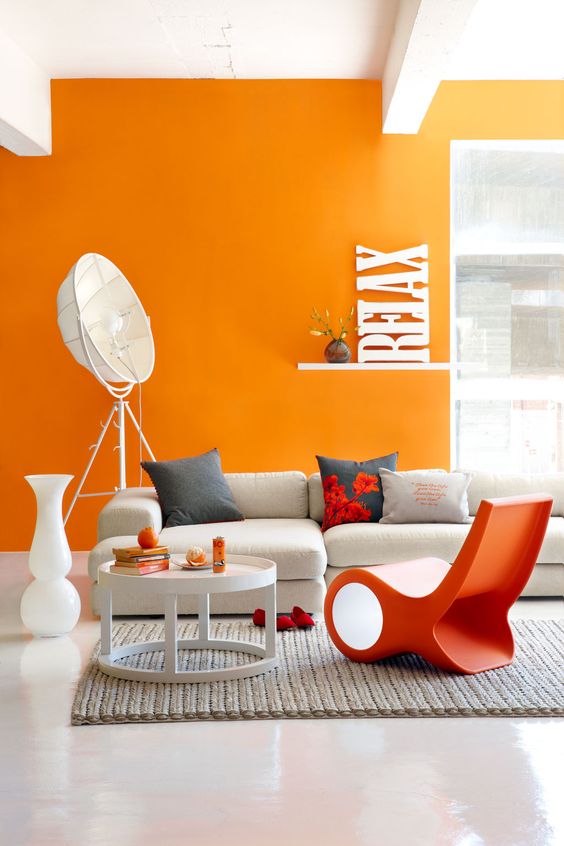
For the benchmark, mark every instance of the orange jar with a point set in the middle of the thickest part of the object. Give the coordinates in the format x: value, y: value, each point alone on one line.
x: 219, y: 555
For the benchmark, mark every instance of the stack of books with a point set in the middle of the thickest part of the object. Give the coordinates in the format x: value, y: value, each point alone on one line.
x: 136, y: 561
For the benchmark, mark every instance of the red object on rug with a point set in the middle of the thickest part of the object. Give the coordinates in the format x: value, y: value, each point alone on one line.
x: 301, y: 618
x: 259, y: 617
x: 283, y: 621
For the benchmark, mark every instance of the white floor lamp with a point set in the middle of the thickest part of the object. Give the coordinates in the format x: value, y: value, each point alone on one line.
x: 105, y: 327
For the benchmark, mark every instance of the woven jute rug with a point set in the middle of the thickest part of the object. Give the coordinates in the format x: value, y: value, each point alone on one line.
x: 314, y: 680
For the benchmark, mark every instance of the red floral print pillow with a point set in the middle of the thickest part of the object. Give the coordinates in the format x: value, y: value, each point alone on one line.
x: 352, y: 490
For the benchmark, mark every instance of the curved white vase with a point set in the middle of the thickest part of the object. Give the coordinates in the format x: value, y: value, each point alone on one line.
x: 50, y: 605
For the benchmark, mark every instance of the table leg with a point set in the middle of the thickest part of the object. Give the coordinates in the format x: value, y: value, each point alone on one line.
x: 204, y: 616
x: 171, y: 647
x: 270, y: 622
x: 106, y: 621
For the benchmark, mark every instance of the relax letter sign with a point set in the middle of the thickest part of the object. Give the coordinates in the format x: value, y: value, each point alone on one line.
x: 390, y: 330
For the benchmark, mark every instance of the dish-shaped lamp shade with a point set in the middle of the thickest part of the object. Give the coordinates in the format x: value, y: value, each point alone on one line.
x: 104, y: 324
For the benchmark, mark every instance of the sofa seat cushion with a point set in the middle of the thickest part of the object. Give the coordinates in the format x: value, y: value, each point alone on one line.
x: 295, y: 545
x: 363, y: 544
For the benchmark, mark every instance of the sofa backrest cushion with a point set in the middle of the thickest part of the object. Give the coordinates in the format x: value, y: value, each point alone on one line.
x: 128, y: 512
x: 482, y: 486
x: 283, y: 494
x: 256, y: 495
x: 316, y: 500
x: 491, y: 485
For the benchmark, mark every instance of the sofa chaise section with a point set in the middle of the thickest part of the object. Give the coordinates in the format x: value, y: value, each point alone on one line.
x: 365, y: 544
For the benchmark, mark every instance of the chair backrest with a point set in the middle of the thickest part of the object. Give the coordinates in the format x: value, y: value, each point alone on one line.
x: 502, y: 546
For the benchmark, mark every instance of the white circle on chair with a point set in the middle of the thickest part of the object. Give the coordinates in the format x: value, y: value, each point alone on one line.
x: 357, y: 616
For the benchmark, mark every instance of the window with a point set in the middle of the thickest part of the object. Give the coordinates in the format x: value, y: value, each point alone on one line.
x: 508, y: 328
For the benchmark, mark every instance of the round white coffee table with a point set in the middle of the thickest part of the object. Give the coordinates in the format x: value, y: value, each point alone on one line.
x: 243, y: 572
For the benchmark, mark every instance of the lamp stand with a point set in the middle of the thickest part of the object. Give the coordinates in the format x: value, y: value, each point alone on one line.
x: 119, y: 409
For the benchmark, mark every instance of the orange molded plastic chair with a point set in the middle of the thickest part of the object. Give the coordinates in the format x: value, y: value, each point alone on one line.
x: 453, y: 616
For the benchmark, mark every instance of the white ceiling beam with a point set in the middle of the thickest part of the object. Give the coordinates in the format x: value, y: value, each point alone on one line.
x: 425, y: 35
x: 25, y: 102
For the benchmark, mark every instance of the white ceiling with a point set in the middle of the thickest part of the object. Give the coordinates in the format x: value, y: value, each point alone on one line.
x: 504, y: 39
x: 412, y: 45
x: 511, y: 39
x: 223, y: 39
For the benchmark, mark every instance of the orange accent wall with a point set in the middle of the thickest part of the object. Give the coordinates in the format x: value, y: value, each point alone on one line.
x: 232, y: 207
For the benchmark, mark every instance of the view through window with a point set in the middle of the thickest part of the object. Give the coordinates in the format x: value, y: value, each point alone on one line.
x: 508, y: 341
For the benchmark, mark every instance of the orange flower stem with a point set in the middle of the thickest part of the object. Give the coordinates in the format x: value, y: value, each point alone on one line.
x: 348, y: 502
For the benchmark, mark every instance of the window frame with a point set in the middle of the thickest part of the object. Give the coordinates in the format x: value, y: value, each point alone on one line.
x: 554, y: 247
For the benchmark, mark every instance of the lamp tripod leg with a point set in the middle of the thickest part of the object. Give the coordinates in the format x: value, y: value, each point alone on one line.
x: 118, y: 409
x: 121, y: 446
x: 91, y: 462
x: 141, y: 435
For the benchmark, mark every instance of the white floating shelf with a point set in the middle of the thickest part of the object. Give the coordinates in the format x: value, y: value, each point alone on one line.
x: 414, y: 365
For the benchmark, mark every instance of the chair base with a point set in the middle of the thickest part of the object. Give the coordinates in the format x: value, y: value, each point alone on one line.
x: 369, y: 620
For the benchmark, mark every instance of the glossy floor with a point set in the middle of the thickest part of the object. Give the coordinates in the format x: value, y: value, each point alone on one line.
x: 402, y: 782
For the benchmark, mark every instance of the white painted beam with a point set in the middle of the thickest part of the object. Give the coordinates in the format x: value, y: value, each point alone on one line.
x: 25, y: 102
x: 425, y: 35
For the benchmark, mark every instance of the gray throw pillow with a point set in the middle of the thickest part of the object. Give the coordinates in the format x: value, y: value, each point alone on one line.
x: 425, y: 496
x: 192, y: 490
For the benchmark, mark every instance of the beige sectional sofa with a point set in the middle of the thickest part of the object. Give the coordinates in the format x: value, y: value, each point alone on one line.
x: 283, y: 512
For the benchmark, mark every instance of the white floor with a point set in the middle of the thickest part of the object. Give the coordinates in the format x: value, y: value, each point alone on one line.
x: 402, y: 782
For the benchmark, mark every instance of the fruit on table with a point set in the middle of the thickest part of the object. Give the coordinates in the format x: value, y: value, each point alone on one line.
x: 147, y: 538
x: 196, y: 556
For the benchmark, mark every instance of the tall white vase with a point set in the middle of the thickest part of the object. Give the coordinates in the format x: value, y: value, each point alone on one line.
x: 50, y: 605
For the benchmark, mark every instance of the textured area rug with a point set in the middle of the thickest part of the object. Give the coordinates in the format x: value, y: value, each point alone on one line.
x: 313, y: 680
